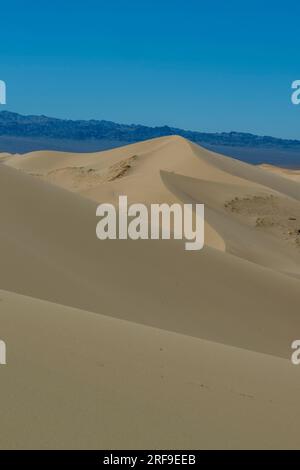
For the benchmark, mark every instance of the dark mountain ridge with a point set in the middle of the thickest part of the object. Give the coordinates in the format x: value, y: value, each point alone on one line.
x: 19, y: 133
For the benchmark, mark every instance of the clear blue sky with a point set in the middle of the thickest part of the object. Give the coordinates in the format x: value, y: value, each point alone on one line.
x: 203, y: 65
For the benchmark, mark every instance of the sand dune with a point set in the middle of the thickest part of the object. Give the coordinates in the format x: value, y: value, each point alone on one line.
x: 226, y: 315
x: 292, y: 174
x: 171, y: 169
x: 82, y: 380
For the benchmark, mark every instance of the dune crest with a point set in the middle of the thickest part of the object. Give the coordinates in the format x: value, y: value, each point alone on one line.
x: 171, y: 169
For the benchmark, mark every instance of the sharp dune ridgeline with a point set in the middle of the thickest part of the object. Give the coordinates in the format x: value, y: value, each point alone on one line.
x: 126, y: 344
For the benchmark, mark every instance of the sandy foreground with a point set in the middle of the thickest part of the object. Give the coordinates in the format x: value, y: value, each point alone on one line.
x: 141, y: 344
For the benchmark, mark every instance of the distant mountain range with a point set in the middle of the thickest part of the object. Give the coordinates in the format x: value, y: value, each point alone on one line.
x: 20, y: 134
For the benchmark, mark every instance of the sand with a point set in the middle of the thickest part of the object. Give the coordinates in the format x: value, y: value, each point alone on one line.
x: 126, y: 344
x: 292, y: 174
